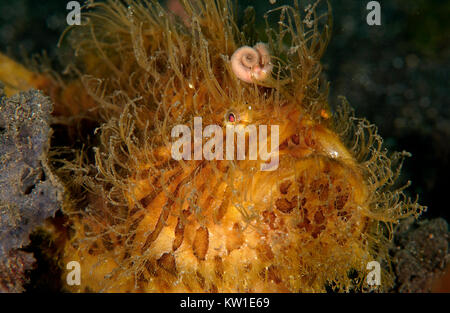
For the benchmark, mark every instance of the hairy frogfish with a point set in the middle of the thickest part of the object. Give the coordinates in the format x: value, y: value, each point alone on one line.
x: 137, y: 219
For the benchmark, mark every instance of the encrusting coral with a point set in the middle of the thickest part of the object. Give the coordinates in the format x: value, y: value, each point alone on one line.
x: 29, y: 192
x: 140, y: 221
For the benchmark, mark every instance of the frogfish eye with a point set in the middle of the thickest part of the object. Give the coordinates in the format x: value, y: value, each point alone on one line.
x: 230, y: 117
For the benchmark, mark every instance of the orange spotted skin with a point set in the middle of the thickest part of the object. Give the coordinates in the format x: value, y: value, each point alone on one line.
x: 203, y: 234
x: 221, y: 226
x: 139, y: 221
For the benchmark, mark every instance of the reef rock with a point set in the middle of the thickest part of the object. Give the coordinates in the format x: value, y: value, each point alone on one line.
x: 29, y: 193
x: 421, y: 254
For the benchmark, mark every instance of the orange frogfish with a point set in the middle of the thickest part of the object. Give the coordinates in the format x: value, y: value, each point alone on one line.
x: 138, y: 218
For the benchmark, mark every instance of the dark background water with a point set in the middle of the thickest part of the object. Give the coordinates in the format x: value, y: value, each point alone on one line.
x: 395, y: 75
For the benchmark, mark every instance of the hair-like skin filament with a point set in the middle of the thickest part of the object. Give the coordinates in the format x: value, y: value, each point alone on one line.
x: 250, y: 64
